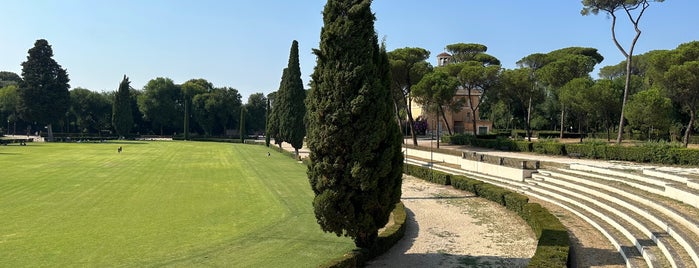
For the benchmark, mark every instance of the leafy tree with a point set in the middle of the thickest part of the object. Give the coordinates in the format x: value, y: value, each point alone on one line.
x: 408, y: 66
x: 677, y: 72
x: 604, y: 102
x: 256, y: 108
x: 160, y: 103
x: 649, y: 109
x: 476, y: 71
x: 217, y: 110
x: 564, y: 65
x: 190, y: 89
x: 291, y: 108
x: 572, y: 95
x: 436, y: 92
x: 9, y: 99
x: 272, y: 127
x: 122, y: 116
x: 241, y: 128
x: 43, y: 91
x: 634, y: 10
x: 355, y: 145
x: 91, y: 110
x: 517, y: 89
x: 268, y: 112
x: 9, y: 78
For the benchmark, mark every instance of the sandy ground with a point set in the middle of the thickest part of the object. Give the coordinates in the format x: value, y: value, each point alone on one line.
x: 452, y: 228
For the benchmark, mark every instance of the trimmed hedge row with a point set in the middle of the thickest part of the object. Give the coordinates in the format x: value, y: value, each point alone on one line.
x: 428, y: 174
x: 646, y: 153
x: 554, y: 245
x: 386, y: 239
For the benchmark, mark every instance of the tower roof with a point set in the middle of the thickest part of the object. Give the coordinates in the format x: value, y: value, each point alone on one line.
x: 443, y: 55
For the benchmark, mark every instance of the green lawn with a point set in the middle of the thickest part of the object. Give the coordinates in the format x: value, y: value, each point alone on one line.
x: 157, y: 204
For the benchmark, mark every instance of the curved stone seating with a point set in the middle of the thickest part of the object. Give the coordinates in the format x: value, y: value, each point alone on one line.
x: 661, y: 234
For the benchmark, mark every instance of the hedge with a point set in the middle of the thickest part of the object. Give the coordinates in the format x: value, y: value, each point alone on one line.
x: 554, y: 244
x: 386, y: 239
x: 661, y: 153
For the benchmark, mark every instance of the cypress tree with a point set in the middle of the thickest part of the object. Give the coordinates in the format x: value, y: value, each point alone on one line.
x: 122, y: 116
x: 268, y: 112
x: 242, y: 124
x: 355, y: 146
x: 290, y: 100
x: 43, y: 91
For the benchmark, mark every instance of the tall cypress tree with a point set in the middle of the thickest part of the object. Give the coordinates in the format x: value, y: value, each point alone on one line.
x: 356, y: 159
x: 242, y: 124
x: 43, y: 91
x: 122, y: 116
x: 290, y: 100
x: 268, y: 113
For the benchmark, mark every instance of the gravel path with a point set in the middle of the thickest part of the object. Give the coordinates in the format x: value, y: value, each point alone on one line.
x: 452, y: 228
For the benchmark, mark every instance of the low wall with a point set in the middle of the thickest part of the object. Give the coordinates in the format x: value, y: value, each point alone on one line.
x: 677, y: 193
x: 502, y: 168
x: 659, y: 174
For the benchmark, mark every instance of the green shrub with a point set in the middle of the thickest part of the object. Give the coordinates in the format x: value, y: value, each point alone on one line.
x: 523, y: 146
x: 685, y: 156
x: 465, y: 184
x: 549, y: 147
x: 554, y: 245
x: 492, y: 193
x: 516, y: 202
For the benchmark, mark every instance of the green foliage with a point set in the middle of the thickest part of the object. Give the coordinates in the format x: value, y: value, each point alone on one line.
x: 159, y: 104
x: 256, y: 108
x: 241, y: 128
x: 89, y: 110
x: 43, y: 92
x: 122, y: 116
x: 354, y: 141
x: 549, y: 147
x: 289, y: 102
x: 217, y: 110
x: 524, y: 146
x: 430, y: 175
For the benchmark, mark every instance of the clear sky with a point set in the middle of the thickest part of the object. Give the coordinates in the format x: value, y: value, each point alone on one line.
x: 245, y: 44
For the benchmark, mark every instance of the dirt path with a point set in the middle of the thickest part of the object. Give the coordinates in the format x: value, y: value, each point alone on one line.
x: 452, y: 228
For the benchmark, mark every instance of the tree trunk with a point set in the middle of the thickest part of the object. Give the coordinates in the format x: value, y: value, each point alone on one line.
x: 444, y: 116
x: 411, y: 121
x: 50, y: 134
x: 563, y: 110
x: 529, y: 118
x: 627, y: 83
x: 296, y: 153
x: 688, y: 133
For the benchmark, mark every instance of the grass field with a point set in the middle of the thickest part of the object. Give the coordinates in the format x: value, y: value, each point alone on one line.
x: 157, y: 204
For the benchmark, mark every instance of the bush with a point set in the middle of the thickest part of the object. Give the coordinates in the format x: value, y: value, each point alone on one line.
x: 524, y: 146
x: 465, y: 184
x: 684, y: 156
x: 549, y: 147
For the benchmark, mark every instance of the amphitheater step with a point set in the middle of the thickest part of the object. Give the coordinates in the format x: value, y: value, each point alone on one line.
x: 650, y: 227
x: 671, y: 229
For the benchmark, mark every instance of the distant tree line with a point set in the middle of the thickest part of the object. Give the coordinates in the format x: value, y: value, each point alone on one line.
x: 40, y: 100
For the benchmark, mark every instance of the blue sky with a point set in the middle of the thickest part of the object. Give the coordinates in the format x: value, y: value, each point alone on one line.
x: 245, y: 44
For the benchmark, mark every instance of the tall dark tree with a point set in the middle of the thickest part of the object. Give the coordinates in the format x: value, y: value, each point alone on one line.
x: 290, y: 102
x: 634, y: 10
x: 190, y: 89
x: 122, y: 116
x: 160, y: 104
x: 268, y: 112
x: 43, y: 92
x: 241, y: 129
x: 256, y: 107
x: 355, y: 145
x: 90, y: 110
